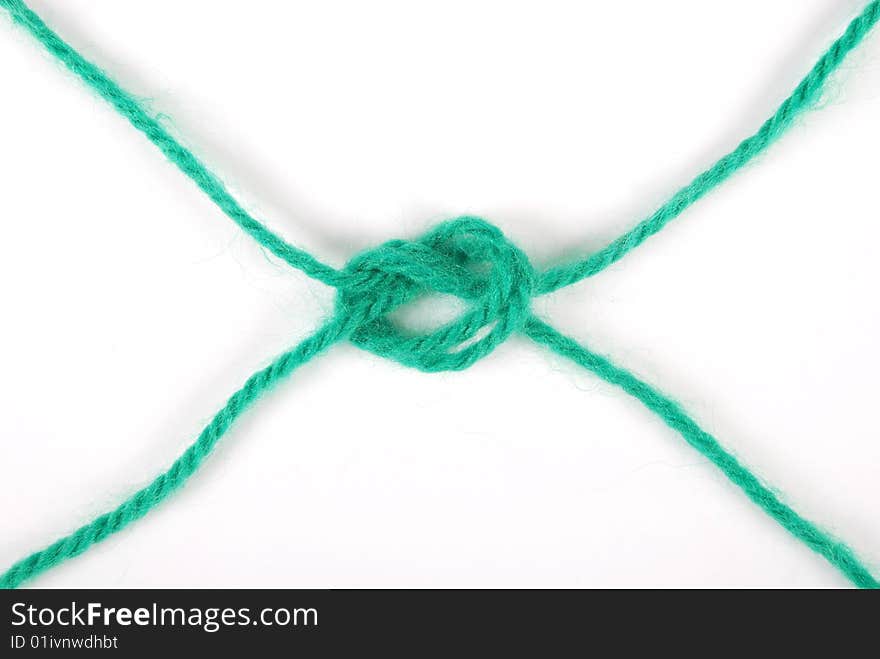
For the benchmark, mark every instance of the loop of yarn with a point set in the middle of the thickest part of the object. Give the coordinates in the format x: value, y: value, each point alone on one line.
x: 466, y: 257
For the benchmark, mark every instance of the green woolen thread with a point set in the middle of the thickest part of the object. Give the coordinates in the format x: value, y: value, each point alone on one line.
x: 445, y: 260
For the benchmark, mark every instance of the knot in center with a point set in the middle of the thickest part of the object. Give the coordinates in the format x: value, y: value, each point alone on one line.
x: 466, y: 257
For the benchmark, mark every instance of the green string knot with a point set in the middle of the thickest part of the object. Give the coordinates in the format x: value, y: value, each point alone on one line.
x: 466, y: 257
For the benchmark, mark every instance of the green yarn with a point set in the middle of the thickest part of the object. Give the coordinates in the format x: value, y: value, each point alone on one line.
x: 150, y: 496
x: 801, y: 99
x: 466, y: 257
x: 442, y: 261
x: 837, y: 553
x: 129, y: 107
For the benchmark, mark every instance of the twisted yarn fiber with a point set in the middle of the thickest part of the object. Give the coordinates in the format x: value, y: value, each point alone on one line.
x: 466, y: 257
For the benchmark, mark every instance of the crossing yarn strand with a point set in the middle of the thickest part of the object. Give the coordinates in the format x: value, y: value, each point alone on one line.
x: 466, y: 257
x: 801, y: 99
x: 836, y: 552
x: 130, y: 108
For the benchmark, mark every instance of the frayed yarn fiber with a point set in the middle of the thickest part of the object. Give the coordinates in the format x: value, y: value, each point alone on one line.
x: 466, y: 257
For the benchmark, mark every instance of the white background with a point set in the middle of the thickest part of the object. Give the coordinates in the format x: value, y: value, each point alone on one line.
x: 132, y: 307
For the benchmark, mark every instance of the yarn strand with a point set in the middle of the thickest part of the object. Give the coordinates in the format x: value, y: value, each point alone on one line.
x: 149, y: 497
x: 801, y: 99
x: 834, y: 551
x: 129, y: 107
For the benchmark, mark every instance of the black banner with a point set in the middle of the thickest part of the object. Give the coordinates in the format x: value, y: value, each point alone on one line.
x: 413, y: 622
